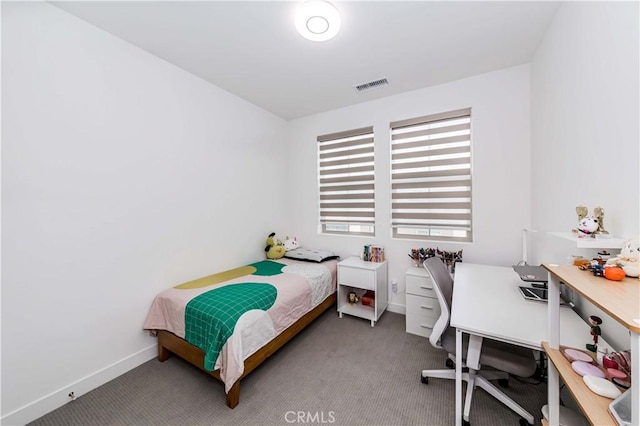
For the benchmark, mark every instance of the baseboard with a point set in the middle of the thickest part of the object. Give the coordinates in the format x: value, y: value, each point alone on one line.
x: 57, y: 399
x: 397, y: 308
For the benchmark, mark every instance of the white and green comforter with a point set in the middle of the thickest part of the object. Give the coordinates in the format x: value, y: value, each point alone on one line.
x: 232, y: 314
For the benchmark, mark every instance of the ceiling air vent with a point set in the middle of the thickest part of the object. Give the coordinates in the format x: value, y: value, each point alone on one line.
x: 372, y: 85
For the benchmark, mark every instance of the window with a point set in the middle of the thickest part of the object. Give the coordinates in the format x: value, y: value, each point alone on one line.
x: 346, y: 182
x: 431, y: 177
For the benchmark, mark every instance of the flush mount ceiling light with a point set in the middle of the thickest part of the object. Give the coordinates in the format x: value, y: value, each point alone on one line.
x: 317, y: 20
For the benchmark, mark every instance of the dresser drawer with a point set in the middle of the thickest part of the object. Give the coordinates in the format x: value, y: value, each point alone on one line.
x: 424, y: 307
x: 356, y: 277
x: 420, y: 286
x: 420, y: 325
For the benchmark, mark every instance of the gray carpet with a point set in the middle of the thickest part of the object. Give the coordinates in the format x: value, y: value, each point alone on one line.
x: 337, y: 371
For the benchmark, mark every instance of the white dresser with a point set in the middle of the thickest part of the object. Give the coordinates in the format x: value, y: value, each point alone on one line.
x: 423, y: 308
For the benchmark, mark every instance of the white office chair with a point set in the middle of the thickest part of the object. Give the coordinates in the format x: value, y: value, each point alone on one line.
x: 507, y: 358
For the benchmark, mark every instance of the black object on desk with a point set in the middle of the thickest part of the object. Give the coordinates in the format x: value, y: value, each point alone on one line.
x: 537, y: 294
x: 540, y: 295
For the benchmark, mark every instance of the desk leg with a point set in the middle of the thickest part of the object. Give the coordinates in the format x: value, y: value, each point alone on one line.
x: 553, y: 380
x: 458, y: 412
x: 553, y: 389
x: 635, y: 384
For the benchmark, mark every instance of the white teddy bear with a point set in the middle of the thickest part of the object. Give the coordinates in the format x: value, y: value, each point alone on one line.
x: 629, y: 258
x: 291, y: 243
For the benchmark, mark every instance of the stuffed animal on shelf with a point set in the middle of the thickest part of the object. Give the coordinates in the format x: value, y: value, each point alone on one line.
x: 629, y: 258
x: 590, y: 225
x: 290, y: 243
x: 275, y: 248
x: 587, y: 226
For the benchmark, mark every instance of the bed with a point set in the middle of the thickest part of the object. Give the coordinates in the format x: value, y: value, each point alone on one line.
x: 228, y: 323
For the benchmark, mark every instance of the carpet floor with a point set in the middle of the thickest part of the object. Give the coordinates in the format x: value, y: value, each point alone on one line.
x: 338, y: 371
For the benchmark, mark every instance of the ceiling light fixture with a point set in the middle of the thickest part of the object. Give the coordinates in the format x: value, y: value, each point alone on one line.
x: 317, y: 20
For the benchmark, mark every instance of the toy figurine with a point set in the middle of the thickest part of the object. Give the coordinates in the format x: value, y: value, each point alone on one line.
x: 597, y: 267
x: 595, y: 322
x: 353, y: 297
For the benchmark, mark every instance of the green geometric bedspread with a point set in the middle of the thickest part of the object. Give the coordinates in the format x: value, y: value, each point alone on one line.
x: 211, y: 317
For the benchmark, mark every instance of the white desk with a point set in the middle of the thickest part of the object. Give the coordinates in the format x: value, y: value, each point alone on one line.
x: 487, y: 303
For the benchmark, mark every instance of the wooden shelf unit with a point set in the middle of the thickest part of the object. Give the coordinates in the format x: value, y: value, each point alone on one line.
x: 594, y: 407
x: 618, y: 299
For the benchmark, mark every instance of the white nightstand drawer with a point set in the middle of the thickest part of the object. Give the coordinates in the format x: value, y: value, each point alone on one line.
x: 355, y: 277
x: 420, y: 325
x: 421, y: 286
x: 423, y: 307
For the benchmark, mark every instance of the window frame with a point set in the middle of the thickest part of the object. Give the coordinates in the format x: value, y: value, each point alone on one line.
x: 417, y: 178
x: 352, y: 203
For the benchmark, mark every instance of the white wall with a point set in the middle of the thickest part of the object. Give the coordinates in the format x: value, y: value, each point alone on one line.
x: 585, y: 127
x: 501, y: 168
x: 122, y: 175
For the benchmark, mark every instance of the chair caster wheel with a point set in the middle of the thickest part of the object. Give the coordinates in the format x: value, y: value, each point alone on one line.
x: 504, y: 383
x: 524, y: 422
x: 424, y: 380
x: 450, y: 364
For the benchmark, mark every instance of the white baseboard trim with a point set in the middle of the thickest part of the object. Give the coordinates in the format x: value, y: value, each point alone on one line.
x: 57, y: 399
x: 397, y: 308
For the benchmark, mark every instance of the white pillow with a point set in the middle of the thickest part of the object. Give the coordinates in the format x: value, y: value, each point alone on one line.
x: 311, y: 255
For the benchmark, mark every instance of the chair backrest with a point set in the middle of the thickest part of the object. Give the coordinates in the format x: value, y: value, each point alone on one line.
x: 443, y: 286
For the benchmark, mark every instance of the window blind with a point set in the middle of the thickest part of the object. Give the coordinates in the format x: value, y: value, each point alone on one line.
x: 346, y: 182
x: 431, y: 177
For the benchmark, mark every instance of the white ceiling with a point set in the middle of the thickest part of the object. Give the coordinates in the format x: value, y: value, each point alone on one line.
x: 252, y: 49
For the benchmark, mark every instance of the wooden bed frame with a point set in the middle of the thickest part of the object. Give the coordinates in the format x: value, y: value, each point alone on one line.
x: 170, y: 343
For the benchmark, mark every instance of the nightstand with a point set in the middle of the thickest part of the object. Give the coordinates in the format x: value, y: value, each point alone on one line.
x: 359, y: 276
x: 423, y: 309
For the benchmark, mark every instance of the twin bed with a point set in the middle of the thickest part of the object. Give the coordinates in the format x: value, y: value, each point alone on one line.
x: 229, y: 323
